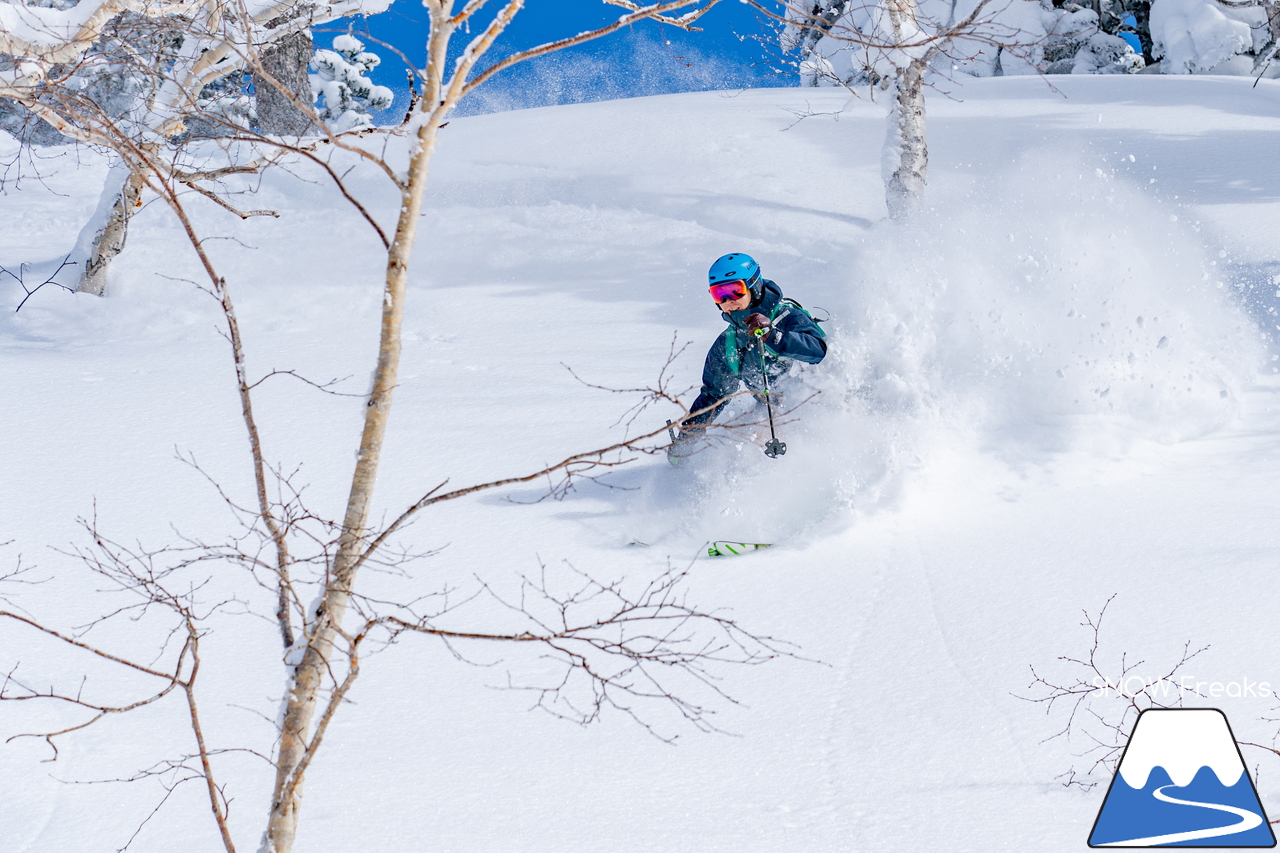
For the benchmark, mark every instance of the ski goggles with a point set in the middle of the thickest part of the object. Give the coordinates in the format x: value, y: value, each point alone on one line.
x: 728, y: 291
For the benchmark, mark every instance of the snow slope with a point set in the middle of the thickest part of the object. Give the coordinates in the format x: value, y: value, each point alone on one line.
x: 1053, y: 387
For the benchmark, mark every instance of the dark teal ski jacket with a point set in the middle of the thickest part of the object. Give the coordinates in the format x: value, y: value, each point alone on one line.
x: 735, y: 358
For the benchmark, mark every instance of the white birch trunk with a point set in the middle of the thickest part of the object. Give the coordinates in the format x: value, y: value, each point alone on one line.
x: 298, y: 736
x: 103, y: 236
x: 300, y: 732
x: 906, y: 154
x: 905, y: 160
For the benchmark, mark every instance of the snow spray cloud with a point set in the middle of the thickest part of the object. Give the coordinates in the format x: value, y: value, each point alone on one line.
x: 631, y: 66
x: 1059, y: 309
x: 1051, y: 310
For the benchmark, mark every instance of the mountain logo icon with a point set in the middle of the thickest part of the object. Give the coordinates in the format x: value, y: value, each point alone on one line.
x: 1182, y: 783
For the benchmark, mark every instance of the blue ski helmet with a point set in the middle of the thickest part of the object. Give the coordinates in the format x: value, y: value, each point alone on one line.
x: 736, y: 267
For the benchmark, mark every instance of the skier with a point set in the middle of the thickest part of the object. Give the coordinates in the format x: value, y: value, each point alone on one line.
x: 757, y: 313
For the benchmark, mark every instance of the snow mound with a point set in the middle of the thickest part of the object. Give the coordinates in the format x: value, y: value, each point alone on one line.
x: 1195, y: 35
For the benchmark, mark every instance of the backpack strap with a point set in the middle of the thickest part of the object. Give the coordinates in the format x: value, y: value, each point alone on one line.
x: 791, y: 303
x: 731, y: 353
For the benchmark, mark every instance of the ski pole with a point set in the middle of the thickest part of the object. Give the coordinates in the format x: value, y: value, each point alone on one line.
x: 772, y: 448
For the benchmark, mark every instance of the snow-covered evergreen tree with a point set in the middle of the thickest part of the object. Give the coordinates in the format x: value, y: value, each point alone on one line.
x: 1199, y: 36
x: 839, y: 43
x: 340, y: 79
x: 1075, y: 43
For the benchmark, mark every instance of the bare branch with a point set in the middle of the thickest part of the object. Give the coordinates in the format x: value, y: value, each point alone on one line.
x: 215, y: 797
x: 326, y: 387
x: 636, y: 13
x: 627, y: 646
x: 1106, y: 730
x: 30, y: 291
x: 224, y: 204
x: 72, y: 641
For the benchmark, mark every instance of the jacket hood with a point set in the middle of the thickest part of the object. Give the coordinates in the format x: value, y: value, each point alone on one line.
x: 770, y: 296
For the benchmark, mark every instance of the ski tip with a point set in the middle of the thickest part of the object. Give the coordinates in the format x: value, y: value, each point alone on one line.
x: 734, y: 549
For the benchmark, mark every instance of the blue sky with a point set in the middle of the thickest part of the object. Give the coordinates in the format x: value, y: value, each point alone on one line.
x: 734, y: 50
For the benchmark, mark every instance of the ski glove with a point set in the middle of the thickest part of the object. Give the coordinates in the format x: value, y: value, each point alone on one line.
x: 682, y: 446
x: 758, y: 325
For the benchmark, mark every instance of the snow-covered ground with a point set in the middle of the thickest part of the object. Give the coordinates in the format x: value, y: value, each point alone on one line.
x: 1054, y: 386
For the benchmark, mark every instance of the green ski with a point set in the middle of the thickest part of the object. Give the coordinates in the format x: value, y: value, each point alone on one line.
x: 734, y: 549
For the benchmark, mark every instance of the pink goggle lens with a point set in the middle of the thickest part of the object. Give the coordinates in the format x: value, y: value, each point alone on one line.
x: 728, y: 291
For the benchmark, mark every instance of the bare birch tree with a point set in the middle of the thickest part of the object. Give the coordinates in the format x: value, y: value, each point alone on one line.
x: 443, y: 87
x: 621, y: 643
x: 892, y: 46
x: 127, y: 75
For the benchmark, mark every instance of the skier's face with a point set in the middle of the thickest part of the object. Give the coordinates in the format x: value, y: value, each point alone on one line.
x: 738, y: 304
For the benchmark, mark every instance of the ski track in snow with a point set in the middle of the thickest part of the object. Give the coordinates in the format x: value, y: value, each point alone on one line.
x: 1028, y: 406
x: 976, y: 694
x: 836, y: 766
